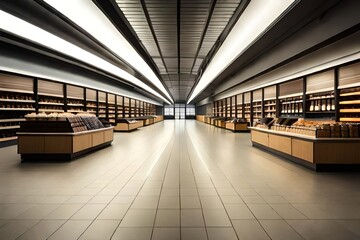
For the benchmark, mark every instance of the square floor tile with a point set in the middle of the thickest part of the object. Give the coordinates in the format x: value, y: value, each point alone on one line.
x: 253, y: 199
x: 139, y: 218
x: 145, y: 202
x: 216, y: 218
x: 169, y: 202
x: 42, y: 230
x: 221, y: 233
x: 89, y: 211
x: 190, y: 202
x: 287, y: 211
x: 322, y: 229
x: 193, y: 233
x: 231, y: 199
x: 72, y: 229
x: 38, y: 212
x: 167, y: 218
x: 192, y: 218
x: 238, y: 211
x: 279, y: 229
x: 79, y: 199
x: 100, y: 229
x: 166, y: 234
x: 124, y: 233
x: 114, y: 211
x: 15, y: 228
x: 226, y: 191
x: 123, y: 199
x: 211, y: 202
x: 101, y: 199
x: 64, y: 211
x: 249, y: 230
x: 263, y: 211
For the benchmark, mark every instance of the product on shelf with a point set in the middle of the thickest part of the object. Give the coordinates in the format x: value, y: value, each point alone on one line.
x: 316, y: 128
x: 349, y: 105
x: 60, y: 122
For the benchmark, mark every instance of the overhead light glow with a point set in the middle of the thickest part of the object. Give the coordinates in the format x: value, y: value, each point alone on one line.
x: 37, y: 35
x: 254, y: 21
x: 90, y: 18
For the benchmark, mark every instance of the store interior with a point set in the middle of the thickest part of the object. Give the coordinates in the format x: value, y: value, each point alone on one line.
x: 179, y: 119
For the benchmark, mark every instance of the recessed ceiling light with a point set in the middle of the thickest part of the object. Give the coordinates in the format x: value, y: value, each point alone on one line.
x: 258, y: 16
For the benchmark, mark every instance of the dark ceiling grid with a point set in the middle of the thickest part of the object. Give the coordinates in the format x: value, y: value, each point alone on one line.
x: 178, y: 35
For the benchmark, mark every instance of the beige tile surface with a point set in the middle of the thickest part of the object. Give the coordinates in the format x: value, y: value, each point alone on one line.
x: 193, y: 182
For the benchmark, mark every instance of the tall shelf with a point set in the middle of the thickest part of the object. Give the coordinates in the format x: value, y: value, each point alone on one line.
x: 120, y: 106
x: 126, y: 107
x: 75, y: 99
x: 91, y: 101
x: 320, y: 95
x: 17, y: 98
x: 291, y: 98
x: 239, y: 106
x: 102, y: 105
x: 132, y: 108
x: 270, y: 101
x: 111, y: 114
x: 228, y: 107
x: 247, y: 106
x: 349, y: 93
x: 257, y: 105
x: 50, y: 96
x: 233, y: 107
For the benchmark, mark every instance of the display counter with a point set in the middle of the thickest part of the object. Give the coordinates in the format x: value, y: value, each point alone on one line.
x: 127, y: 125
x: 63, y: 146
x: 158, y: 118
x: 200, y: 118
x: 316, y: 153
x: 237, y: 127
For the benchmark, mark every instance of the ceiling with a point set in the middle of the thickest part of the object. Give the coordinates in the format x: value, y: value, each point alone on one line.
x: 178, y: 36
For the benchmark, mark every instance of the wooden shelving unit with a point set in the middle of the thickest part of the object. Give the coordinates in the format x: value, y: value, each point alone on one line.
x: 291, y: 98
x: 111, y: 114
x: 120, y: 106
x: 17, y: 98
x: 247, y: 106
x: 257, y: 108
x: 75, y: 99
x: 91, y: 101
x: 50, y: 96
x: 239, y: 106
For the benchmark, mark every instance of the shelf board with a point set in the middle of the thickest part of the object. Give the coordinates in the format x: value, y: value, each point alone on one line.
x: 9, y: 127
x: 350, y: 102
x: 51, y: 95
x: 8, y: 139
x: 16, y: 100
x: 50, y: 110
x: 356, y: 110
x: 317, y: 99
x: 349, y: 119
x: 350, y: 94
x: 18, y: 109
x: 75, y: 105
x: 50, y: 103
x: 15, y: 90
x: 75, y: 111
x: 13, y: 120
x: 323, y: 112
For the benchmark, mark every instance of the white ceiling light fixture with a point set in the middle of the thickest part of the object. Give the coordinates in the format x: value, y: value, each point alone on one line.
x: 257, y: 17
x: 89, y: 17
x: 37, y: 35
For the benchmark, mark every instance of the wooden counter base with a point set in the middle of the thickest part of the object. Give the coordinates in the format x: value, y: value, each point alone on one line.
x: 237, y: 127
x: 127, y: 127
x: 62, y: 145
x: 316, y: 153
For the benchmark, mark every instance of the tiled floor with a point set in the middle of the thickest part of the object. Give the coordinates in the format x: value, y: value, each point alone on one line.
x: 175, y: 180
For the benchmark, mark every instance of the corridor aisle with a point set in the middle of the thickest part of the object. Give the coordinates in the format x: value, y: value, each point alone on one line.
x: 173, y: 180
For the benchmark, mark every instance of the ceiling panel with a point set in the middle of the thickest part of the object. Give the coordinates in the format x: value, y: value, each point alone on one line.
x: 178, y: 71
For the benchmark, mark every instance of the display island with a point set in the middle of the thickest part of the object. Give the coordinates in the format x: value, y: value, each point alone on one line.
x: 61, y: 136
x: 320, y: 146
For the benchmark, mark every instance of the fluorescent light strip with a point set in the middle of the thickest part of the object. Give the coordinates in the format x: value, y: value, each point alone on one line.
x: 90, y: 18
x: 256, y: 18
x: 35, y: 34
